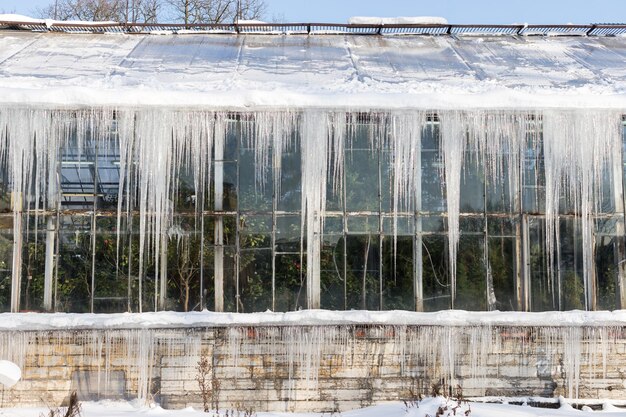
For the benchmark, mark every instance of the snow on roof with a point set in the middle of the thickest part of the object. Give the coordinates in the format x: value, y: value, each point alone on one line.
x: 18, y: 18
x: 250, y: 22
x: 408, y: 20
x: 341, y: 71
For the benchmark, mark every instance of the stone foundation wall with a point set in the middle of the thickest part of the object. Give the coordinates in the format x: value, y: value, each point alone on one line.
x: 314, y: 368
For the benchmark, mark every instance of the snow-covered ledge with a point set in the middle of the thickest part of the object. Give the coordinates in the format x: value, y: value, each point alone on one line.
x: 315, y: 360
x: 167, y: 319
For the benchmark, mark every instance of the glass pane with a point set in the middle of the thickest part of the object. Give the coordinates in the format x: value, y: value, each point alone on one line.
x: 255, y: 231
x: 332, y: 272
x: 502, y: 256
x: 290, y: 282
x: 572, y: 289
x: 398, y: 289
x: 431, y: 224
x: 208, y: 275
x: 230, y: 280
x: 33, y: 263
x: 360, y: 137
x: 498, y: 192
x: 608, y: 200
x: 470, y: 276
x: 231, y: 140
x: 363, y: 275
x: 498, y: 226
x: 148, y: 276
x: 472, y: 225
x: 78, y: 168
x: 436, y: 275
x: 111, y: 267
x: 6, y: 261
x: 533, y: 176
x: 185, y: 254
x: 108, y: 173
x: 472, y: 185
x: 405, y: 205
x: 228, y: 190
x: 362, y: 188
x: 289, y: 198
x: 363, y: 224
x: 185, y: 198
x: 255, y: 280
x: 74, y: 274
x: 609, y: 255
x: 543, y: 289
x: 433, y: 198
x: 255, y: 183
x: 288, y: 234
x: 5, y: 186
x: 404, y: 226
x: 334, y: 198
x: 333, y: 225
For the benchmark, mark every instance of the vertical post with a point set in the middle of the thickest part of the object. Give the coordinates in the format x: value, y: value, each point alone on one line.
x: 525, y: 284
x: 418, y: 273
x: 218, y: 253
x: 94, y: 229
x: 592, y: 301
x: 16, y: 272
x: 519, y: 268
x: 49, y: 264
x: 344, y: 230
x: 620, y: 206
x: 129, y: 227
x: 522, y: 273
x: 276, y: 163
x: 620, y: 249
x: 380, y: 224
x: 313, y: 264
x: 162, y: 273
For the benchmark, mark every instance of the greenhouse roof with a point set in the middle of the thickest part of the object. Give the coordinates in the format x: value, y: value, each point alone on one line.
x: 347, y: 70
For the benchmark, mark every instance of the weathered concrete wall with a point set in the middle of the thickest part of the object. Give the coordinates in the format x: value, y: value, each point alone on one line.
x: 314, y: 368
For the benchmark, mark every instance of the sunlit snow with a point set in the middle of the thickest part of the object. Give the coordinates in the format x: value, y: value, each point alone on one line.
x: 296, y: 71
x: 427, y: 407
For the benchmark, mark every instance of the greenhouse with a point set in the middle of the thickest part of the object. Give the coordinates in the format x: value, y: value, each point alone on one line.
x: 255, y: 172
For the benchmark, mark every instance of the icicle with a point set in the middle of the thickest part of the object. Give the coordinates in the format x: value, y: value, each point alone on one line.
x: 319, y: 145
x: 578, y: 145
x: 453, y: 142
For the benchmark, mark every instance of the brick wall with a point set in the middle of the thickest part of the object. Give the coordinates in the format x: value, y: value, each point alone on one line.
x: 314, y: 368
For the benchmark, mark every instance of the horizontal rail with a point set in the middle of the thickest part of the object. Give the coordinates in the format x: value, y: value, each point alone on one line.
x: 320, y: 28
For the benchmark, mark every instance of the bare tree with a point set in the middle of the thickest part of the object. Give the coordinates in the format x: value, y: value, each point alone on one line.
x: 103, y: 10
x: 150, y: 11
x: 87, y: 10
x: 146, y: 11
x: 216, y: 11
x: 183, y: 10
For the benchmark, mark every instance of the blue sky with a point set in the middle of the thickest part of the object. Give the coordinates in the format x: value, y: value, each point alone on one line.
x: 456, y: 11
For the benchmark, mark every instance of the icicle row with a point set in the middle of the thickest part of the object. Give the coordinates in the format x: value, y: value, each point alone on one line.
x: 155, y: 145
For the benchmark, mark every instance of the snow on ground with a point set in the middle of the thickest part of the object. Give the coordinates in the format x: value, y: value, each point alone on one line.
x: 169, y: 319
x: 10, y: 373
x: 428, y: 407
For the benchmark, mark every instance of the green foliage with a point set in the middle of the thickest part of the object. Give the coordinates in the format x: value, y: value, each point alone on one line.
x: 470, y: 278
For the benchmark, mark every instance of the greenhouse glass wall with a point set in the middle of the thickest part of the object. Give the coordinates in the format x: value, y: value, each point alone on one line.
x: 116, y: 210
